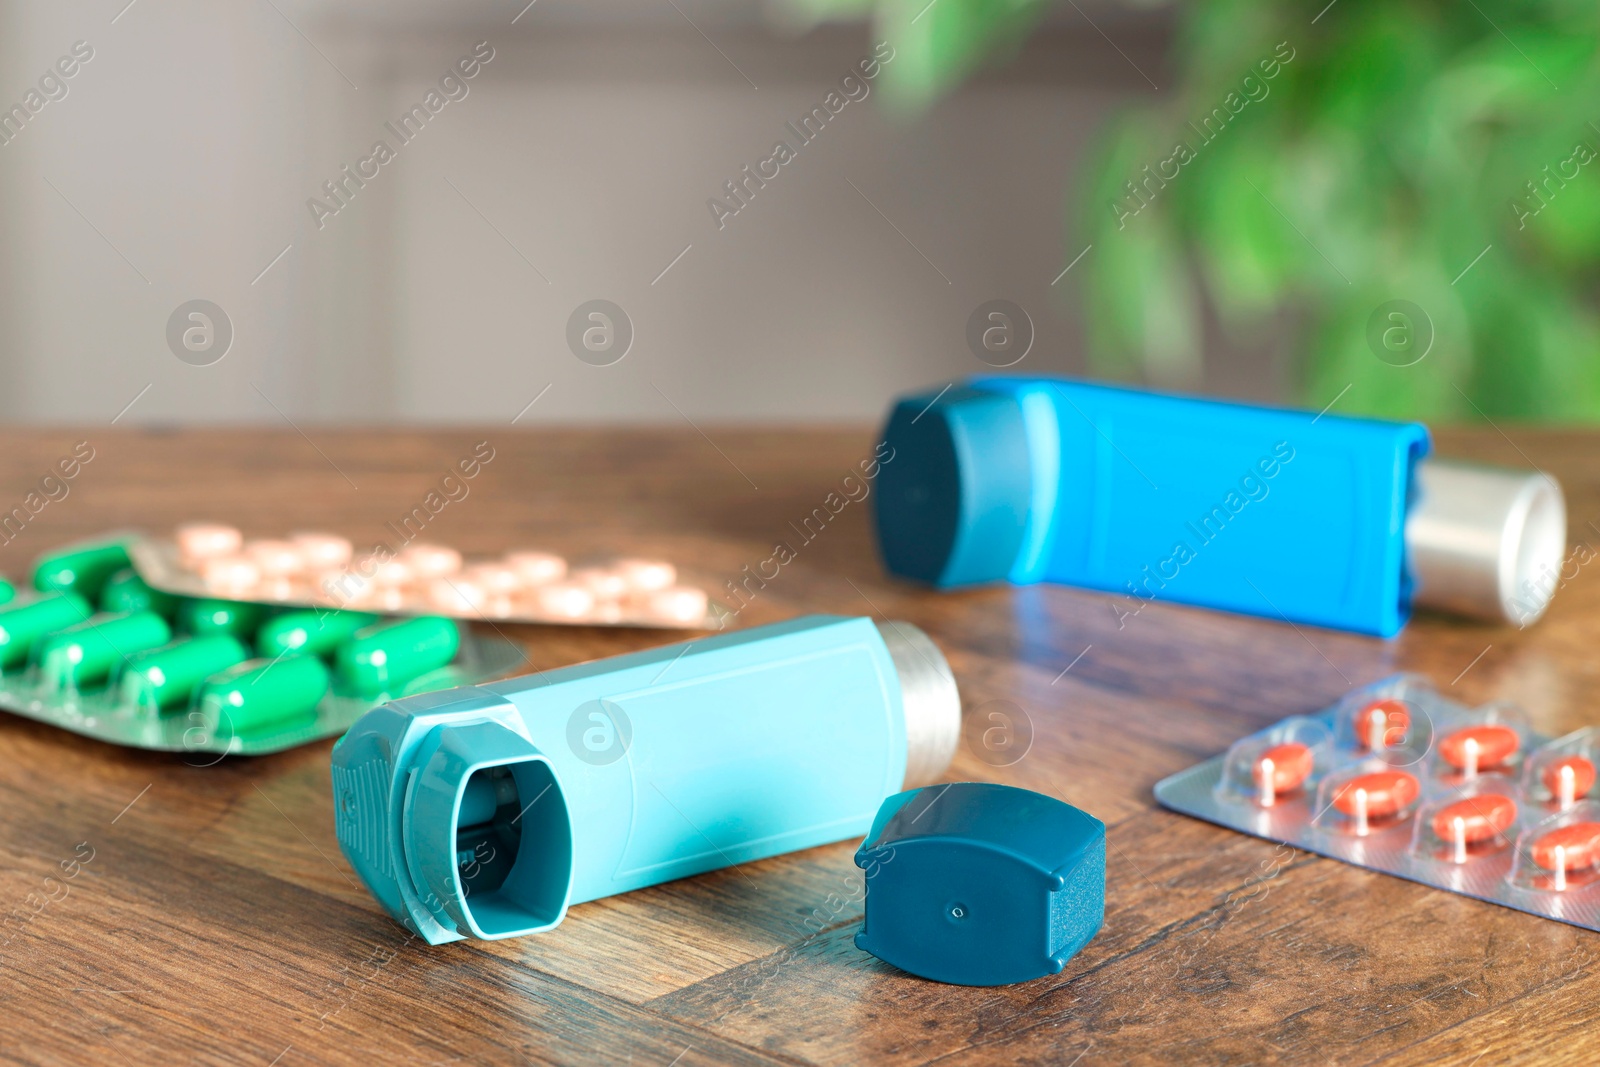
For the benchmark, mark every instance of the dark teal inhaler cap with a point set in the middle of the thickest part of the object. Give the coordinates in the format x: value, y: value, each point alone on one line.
x: 953, y: 495
x: 980, y: 884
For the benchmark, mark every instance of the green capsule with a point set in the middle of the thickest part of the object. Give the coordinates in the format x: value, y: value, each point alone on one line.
x: 23, y: 624
x: 235, y: 618
x: 82, y: 569
x: 85, y: 653
x: 261, y: 693
x: 166, y: 677
x: 317, y: 631
x: 126, y: 591
x: 8, y: 592
x: 383, y: 657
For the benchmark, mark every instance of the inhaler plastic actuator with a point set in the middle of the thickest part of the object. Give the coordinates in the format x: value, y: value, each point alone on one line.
x: 486, y: 811
x: 1314, y: 518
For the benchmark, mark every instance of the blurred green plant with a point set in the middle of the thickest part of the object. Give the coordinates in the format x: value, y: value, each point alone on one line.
x: 1440, y: 152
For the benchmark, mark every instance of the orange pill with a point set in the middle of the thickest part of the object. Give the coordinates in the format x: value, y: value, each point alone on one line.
x: 1382, y: 724
x: 1378, y: 795
x: 1291, y: 766
x: 1475, y: 818
x: 1481, y: 746
x: 1571, y: 848
x: 1569, y: 777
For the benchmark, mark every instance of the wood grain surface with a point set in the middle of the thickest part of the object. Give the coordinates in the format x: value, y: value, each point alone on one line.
x: 217, y: 921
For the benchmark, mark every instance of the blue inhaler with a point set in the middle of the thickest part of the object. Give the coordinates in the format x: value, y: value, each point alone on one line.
x: 485, y: 811
x: 1314, y: 518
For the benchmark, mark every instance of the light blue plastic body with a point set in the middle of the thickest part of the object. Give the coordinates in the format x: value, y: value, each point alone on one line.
x: 610, y: 776
x: 1284, y: 514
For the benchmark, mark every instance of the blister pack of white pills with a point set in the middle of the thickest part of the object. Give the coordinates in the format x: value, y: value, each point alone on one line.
x: 315, y: 569
x: 1400, y: 779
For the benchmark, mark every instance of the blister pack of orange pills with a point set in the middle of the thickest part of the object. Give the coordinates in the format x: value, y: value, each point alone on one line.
x: 1400, y: 779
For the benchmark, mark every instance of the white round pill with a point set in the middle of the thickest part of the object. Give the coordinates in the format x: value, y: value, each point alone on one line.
x: 680, y: 604
x: 564, y: 600
x: 207, y: 540
x: 457, y: 595
x: 322, y: 551
x: 647, y: 575
x: 230, y: 574
x: 537, y: 568
x: 497, y: 578
x: 604, y: 583
x: 431, y: 561
x: 275, y: 558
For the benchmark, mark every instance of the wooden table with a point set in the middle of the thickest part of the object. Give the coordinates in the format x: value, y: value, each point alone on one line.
x: 217, y: 921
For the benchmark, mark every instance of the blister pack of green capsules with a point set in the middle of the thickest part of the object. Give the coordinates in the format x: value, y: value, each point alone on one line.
x: 95, y: 650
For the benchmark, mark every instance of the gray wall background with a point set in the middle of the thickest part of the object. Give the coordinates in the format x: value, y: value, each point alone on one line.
x: 180, y: 162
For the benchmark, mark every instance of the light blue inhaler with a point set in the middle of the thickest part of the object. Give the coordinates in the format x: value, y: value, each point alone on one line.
x: 1310, y: 517
x: 486, y: 811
